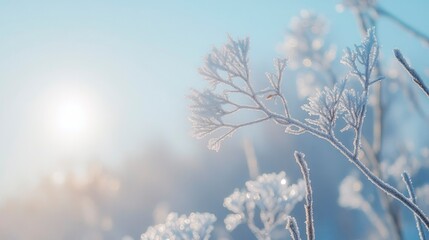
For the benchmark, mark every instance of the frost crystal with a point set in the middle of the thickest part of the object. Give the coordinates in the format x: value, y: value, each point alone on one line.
x: 273, y: 198
x: 231, y: 60
x: 207, y: 112
x: 362, y: 59
x: 325, y: 106
x: 353, y: 105
x: 196, y: 226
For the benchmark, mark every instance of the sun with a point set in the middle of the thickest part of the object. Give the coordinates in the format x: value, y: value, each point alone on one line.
x: 71, y: 113
x: 72, y: 117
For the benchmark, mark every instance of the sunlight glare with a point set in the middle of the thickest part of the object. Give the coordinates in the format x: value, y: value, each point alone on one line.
x: 72, y: 118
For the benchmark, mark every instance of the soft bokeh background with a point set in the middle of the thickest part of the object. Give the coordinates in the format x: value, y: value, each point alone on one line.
x: 94, y: 137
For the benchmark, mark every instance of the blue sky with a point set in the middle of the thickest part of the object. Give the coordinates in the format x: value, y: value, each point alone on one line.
x: 132, y: 63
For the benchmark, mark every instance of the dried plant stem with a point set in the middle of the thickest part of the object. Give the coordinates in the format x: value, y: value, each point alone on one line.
x: 411, y: 71
x: 407, y: 180
x: 293, y: 228
x: 299, y: 157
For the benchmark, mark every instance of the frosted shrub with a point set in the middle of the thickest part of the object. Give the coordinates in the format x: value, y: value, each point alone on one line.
x: 233, y: 91
x: 271, y: 196
x: 196, y: 226
x: 219, y: 111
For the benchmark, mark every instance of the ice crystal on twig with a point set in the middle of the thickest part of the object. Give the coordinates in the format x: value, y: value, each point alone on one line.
x: 353, y: 106
x: 232, y: 92
x: 325, y: 106
x: 271, y: 196
x: 292, y: 226
x: 231, y: 60
x: 362, y: 59
x: 415, y: 76
x: 299, y: 157
x: 410, y: 188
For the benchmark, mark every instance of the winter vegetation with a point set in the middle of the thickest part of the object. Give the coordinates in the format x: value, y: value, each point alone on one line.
x: 233, y: 91
x: 335, y: 147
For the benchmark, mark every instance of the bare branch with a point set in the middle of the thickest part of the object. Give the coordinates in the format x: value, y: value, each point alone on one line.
x: 411, y: 71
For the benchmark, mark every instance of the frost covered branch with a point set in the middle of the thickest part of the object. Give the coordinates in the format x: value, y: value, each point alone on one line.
x: 232, y: 92
x: 407, y: 180
x: 416, y: 78
x: 229, y: 67
x: 299, y: 157
x: 292, y: 226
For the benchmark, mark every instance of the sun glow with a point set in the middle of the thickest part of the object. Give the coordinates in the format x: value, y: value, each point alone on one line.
x: 72, y: 114
x: 72, y: 117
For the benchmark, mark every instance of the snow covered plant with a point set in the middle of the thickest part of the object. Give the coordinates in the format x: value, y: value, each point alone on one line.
x: 196, y: 226
x: 271, y: 196
x: 234, y: 93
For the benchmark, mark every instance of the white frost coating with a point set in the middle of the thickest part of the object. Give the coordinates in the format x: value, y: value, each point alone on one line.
x: 196, y: 226
x: 271, y: 196
x: 353, y: 106
x: 325, y: 106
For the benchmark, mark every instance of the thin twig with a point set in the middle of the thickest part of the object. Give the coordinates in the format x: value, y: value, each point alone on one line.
x: 309, y: 223
x: 293, y: 228
x: 411, y: 71
x: 410, y: 189
x: 365, y: 21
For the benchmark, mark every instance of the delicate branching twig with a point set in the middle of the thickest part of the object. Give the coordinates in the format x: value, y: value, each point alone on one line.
x: 411, y: 71
x: 299, y: 157
x: 364, y: 11
x: 293, y: 228
x: 407, y: 180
